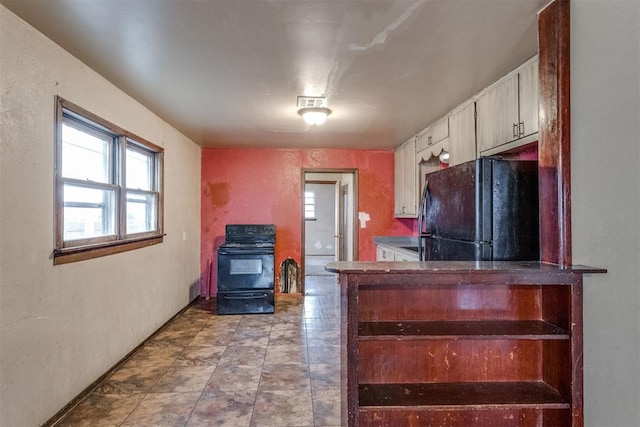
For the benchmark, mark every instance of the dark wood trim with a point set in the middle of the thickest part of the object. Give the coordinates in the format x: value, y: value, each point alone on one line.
x: 555, y: 136
x: 81, y: 253
x: 58, y: 190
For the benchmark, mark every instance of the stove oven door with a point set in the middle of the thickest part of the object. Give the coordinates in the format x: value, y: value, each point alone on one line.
x: 245, y: 269
x: 246, y: 279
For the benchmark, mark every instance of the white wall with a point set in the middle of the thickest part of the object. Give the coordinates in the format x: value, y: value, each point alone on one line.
x: 61, y: 327
x: 605, y: 156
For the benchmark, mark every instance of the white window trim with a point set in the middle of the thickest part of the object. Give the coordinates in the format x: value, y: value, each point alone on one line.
x: 312, y: 204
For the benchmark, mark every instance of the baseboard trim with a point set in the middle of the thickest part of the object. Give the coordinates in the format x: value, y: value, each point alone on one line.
x: 84, y: 393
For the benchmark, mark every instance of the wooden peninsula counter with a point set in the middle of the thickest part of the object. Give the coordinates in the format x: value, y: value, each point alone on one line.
x: 461, y: 343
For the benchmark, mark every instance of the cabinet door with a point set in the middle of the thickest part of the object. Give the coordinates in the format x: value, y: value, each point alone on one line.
x: 398, y: 180
x: 462, y: 135
x: 405, y: 177
x: 383, y: 254
x: 423, y: 138
x: 410, y: 179
x: 439, y: 131
x: 398, y: 162
x: 528, y: 85
x: 498, y: 117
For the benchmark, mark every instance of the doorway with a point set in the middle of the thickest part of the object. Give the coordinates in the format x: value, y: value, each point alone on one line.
x: 329, y: 233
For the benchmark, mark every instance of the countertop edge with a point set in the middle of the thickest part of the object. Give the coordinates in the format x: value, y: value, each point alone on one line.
x: 456, y: 267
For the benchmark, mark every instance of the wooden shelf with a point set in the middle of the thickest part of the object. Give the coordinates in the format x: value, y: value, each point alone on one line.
x: 458, y: 345
x: 452, y: 396
x: 485, y: 329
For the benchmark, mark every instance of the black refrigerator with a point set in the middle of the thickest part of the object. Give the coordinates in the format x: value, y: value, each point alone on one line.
x: 482, y: 210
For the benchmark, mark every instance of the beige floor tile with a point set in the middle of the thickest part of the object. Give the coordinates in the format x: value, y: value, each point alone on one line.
x: 200, y: 356
x: 244, y: 355
x: 326, y: 407
x: 175, y: 337
x: 278, y: 408
x: 325, y: 376
x: 102, y: 410
x: 235, y: 377
x: 324, y: 354
x: 183, y: 379
x: 136, y: 379
x: 155, y: 354
x: 285, y: 377
x: 286, y: 354
x: 163, y: 409
x: 223, y: 408
x: 212, y: 337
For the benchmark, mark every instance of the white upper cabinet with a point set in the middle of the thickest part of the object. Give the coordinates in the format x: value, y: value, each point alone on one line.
x: 462, y: 134
x: 432, y: 134
x: 498, y: 114
x: 508, y: 110
x: 405, y: 180
x: 528, y: 87
x: 502, y: 117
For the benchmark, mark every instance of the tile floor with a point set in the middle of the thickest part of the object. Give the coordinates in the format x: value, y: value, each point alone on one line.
x: 242, y: 370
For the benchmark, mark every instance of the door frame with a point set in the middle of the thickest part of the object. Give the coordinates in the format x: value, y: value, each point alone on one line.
x: 354, y: 232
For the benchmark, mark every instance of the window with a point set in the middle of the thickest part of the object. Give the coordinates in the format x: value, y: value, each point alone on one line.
x: 309, y: 205
x: 108, y: 187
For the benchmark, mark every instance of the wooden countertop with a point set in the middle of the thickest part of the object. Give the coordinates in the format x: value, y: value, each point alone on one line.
x: 457, y: 267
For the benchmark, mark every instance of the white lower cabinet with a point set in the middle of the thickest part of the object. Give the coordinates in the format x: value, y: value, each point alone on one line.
x: 385, y: 253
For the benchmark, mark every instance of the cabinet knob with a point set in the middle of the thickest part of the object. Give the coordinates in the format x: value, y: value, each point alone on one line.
x: 515, y: 130
x: 521, y: 129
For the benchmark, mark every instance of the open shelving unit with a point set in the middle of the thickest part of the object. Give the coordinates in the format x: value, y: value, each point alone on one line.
x: 462, y: 344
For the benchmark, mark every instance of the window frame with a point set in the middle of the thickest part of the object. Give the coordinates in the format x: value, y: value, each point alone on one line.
x: 121, y: 240
x: 312, y: 204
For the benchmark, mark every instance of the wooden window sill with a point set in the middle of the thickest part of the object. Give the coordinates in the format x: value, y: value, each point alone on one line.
x: 81, y: 253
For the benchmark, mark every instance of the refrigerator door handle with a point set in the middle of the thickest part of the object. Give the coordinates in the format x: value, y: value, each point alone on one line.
x: 421, y: 220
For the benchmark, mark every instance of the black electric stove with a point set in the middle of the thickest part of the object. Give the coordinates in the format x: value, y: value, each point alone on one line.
x: 246, y: 269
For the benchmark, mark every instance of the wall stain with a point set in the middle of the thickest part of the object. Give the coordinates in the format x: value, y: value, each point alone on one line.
x: 218, y: 193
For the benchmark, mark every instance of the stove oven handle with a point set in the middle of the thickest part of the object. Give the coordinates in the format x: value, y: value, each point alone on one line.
x: 253, y: 296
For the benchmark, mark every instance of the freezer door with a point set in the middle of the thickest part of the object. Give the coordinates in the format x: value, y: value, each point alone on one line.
x: 438, y: 249
x: 452, y: 202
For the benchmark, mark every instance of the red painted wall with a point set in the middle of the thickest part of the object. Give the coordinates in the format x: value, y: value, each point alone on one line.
x: 263, y: 186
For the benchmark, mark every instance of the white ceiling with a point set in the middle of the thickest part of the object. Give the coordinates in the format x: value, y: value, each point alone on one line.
x: 228, y: 72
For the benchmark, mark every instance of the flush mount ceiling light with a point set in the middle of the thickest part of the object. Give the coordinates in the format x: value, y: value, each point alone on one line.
x: 313, y: 109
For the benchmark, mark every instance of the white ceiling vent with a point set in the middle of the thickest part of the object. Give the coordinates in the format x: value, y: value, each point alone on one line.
x: 312, y: 102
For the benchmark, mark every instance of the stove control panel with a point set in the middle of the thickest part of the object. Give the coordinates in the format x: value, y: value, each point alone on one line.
x: 238, y: 230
